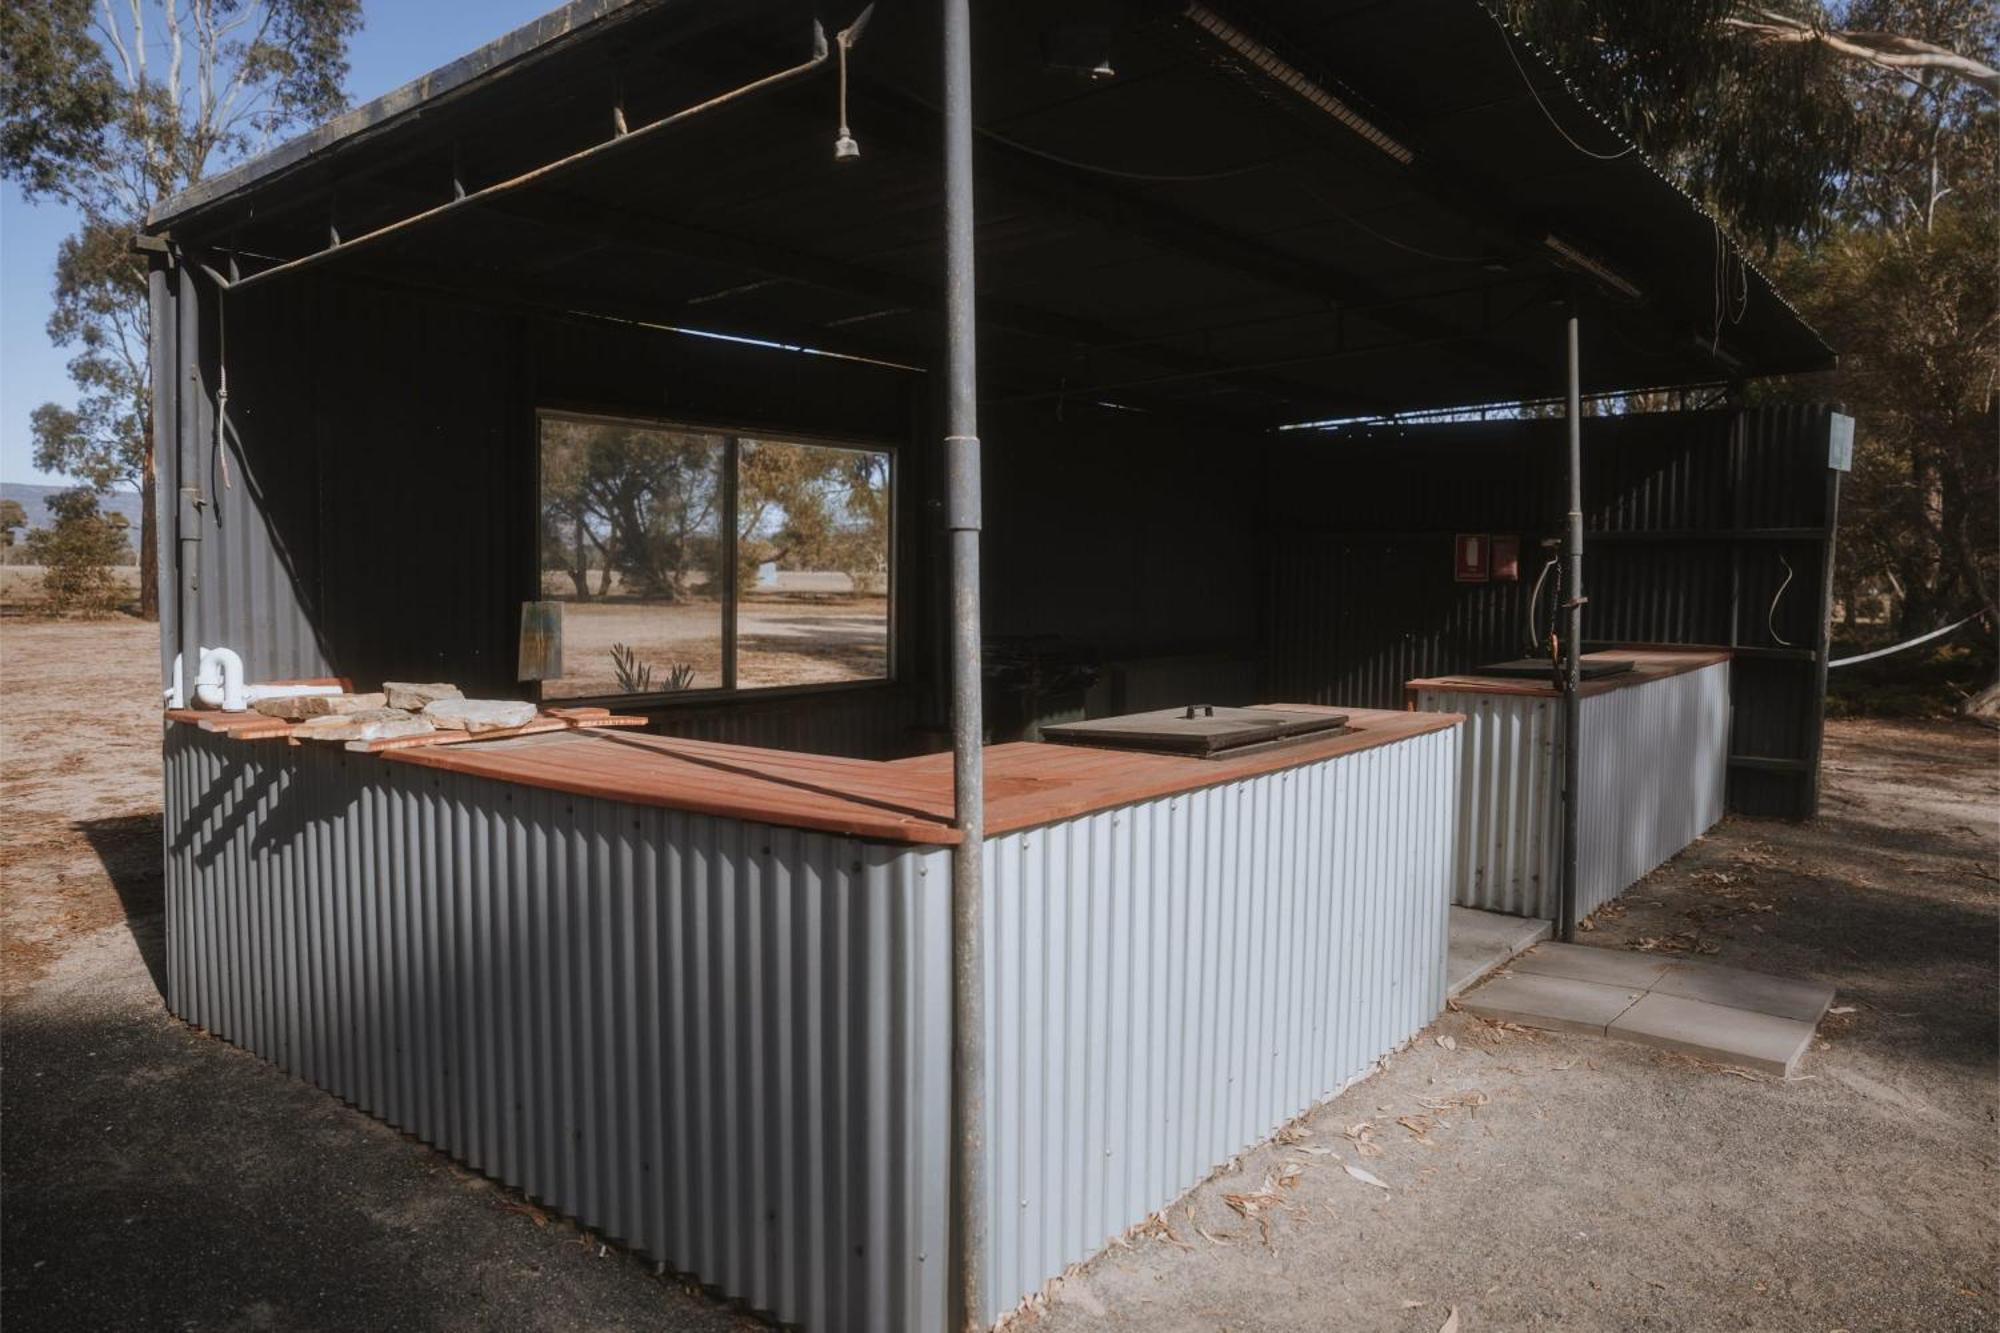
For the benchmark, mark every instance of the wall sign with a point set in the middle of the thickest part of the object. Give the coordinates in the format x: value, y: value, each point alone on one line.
x: 1471, y: 557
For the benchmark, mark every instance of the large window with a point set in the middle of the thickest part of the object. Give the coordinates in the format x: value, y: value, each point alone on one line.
x: 657, y: 600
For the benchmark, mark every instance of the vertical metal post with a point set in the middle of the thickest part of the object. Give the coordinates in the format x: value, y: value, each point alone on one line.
x: 187, y: 471
x: 962, y: 520
x: 1572, y: 647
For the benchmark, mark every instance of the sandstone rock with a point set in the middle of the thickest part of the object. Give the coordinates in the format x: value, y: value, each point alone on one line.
x: 407, y: 694
x: 374, y: 724
x: 477, y: 715
x: 300, y: 707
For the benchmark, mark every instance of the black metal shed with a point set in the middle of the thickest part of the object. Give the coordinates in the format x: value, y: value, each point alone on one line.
x: 1196, y: 227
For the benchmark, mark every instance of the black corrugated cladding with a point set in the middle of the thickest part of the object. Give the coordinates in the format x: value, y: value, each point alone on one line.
x: 1696, y: 523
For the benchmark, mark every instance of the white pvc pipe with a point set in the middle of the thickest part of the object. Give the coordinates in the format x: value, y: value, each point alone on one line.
x: 219, y: 684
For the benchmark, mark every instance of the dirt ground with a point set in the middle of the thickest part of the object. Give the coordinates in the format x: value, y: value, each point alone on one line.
x: 781, y: 640
x: 156, y: 1178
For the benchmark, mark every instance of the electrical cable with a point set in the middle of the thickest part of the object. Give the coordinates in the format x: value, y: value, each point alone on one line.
x: 1507, y: 40
x: 1907, y: 643
x: 221, y: 454
x: 1535, y: 605
x: 1771, y: 615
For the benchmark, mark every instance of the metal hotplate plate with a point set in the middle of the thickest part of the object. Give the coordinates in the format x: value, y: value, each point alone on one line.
x: 1538, y: 668
x: 1199, y: 729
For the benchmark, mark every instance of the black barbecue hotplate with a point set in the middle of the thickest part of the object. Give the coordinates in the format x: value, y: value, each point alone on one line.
x: 1538, y: 668
x: 1204, y: 731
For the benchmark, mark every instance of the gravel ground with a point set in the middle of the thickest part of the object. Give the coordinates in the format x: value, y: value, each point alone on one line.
x: 155, y: 1178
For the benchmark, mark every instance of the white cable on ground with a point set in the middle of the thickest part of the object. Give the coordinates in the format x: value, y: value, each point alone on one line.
x: 1907, y: 643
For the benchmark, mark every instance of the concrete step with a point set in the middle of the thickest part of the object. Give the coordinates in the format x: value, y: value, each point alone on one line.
x: 1482, y: 941
x: 1748, y: 1019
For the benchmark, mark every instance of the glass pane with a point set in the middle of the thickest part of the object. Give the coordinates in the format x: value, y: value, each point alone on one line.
x: 631, y: 542
x: 812, y: 563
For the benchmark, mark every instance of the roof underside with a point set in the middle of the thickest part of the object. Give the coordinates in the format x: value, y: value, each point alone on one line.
x: 1189, y: 235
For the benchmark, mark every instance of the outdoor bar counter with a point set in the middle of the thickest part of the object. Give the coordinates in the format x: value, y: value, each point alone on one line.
x: 698, y: 996
x: 1655, y: 754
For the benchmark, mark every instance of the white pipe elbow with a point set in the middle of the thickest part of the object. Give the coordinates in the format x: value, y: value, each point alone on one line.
x: 220, y: 683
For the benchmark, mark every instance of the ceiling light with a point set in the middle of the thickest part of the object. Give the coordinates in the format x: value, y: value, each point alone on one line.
x: 1279, y: 71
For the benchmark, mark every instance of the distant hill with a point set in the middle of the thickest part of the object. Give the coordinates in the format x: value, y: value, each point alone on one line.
x: 116, y: 501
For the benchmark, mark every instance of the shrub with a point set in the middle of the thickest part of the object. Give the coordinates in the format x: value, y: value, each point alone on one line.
x: 78, y: 553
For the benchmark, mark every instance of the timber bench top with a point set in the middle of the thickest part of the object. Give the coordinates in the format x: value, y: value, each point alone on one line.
x: 905, y: 800
x: 1648, y: 664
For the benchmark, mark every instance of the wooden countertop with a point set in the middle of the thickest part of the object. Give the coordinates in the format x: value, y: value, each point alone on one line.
x: 906, y: 800
x: 1648, y: 664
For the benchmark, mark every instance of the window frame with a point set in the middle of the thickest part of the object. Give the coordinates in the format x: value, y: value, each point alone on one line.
x: 732, y: 436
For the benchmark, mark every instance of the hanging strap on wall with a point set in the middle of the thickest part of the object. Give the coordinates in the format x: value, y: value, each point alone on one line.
x: 1907, y: 643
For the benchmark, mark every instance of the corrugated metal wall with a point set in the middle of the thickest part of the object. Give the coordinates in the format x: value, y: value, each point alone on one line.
x: 1509, y: 800
x: 1695, y: 522
x: 372, y: 510
x: 723, y: 1044
x: 1655, y: 765
x: 1170, y: 982
x: 1654, y: 768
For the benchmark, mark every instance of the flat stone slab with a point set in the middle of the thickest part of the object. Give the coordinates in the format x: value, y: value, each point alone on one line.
x: 1606, y: 967
x: 373, y: 725
x: 1560, y: 1004
x: 414, y: 696
x: 1782, y: 997
x: 477, y: 715
x: 299, y: 707
x: 1481, y: 941
x: 1763, y: 1042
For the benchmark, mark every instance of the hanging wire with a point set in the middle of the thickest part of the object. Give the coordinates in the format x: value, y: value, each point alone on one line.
x: 221, y: 454
x: 1771, y: 615
x: 1535, y: 605
x: 1507, y: 40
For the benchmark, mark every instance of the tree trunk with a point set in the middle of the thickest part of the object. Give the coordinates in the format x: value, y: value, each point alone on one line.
x: 149, y: 546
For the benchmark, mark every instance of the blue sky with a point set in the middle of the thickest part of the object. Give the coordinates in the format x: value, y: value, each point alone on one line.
x: 399, y: 40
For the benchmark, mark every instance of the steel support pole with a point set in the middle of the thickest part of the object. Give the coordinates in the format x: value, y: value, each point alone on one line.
x: 962, y: 521
x: 187, y: 472
x: 1572, y: 647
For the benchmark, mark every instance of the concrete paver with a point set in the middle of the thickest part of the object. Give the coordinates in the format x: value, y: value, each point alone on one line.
x: 1606, y: 967
x: 1482, y: 941
x: 1560, y: 1004
x: 1764, y: 1042
x: 1786, y: 997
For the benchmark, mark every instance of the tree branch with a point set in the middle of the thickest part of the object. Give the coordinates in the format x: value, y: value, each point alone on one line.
x: 1886, y: 50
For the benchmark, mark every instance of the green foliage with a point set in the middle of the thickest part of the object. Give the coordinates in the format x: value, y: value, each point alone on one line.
x: 110, y: 109
x: 639, y: 501
x: 634, y: 676
x: 78, y: 553
x: 1915, y: 315
x: 644, y: 504
x: 12, y: 519
x: 812, y: 507
x: 1763, y: 134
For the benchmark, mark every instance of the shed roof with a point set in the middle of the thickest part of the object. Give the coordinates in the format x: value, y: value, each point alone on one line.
x: 1274, y: 210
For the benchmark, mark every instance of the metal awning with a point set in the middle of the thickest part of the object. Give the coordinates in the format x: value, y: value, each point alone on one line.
x: 1269, y: 211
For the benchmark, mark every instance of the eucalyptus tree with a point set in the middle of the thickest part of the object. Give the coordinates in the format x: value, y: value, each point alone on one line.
x: 108, y: 108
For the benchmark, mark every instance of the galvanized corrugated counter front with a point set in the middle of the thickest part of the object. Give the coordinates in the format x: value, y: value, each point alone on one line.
x: 1170, y: 982
x: 726, y: 1044
x: 1654, y: 769
x: 723, y: 1044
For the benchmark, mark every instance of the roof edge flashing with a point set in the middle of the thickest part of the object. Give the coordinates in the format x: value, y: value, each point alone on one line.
x: 533, y: 41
